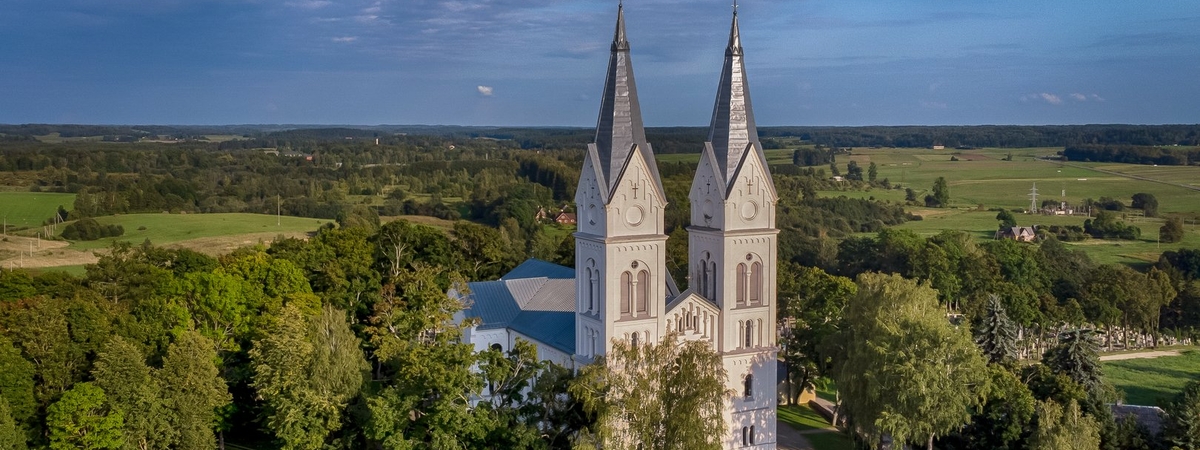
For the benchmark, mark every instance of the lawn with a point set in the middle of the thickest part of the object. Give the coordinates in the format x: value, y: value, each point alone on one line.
x: 830, y: 441
x: 983, y: 224
x: 802, y: 417
x: 164, y: 229
x: 1149, y: 381
x: 30, y: 209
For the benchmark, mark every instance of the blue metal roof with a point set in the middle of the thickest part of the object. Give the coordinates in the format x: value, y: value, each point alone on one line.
x: 536, y: 299
x: 536, y: 268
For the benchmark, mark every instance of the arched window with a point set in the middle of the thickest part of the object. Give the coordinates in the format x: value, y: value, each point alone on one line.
x: 704, y: 278
x: 745, y: 436
x: 741, y: 284
x: 749, y: 334
x: 497, y: 347
x: 643, y: 282
x: 626, y: 292
x: 751, y: 434
x: 713, y: 281
x: 634, y: 340
x: 592, y: 294
x: 748, y: 389
x: 756, y: 284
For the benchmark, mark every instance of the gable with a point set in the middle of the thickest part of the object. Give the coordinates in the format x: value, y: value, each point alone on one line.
x: 707, y: 192
x: 753, y: 168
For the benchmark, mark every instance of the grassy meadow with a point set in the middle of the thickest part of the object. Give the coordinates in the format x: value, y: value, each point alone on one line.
x: 162, y: 229
x: 1150, y: 381
x: 30, y: 209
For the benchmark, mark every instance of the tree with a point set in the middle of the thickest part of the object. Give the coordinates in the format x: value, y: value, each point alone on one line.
x: 423, y: 361
x: 1077, y: 357
x: 854, y: 171
x: 1172, y: 231
x: 996, y: 335
x: 902, y: 368
x: 1181, y: 417
x: 872, y: 172
x: 1005, y: 418
x: 815, y: 312
x: 131, y: 388
x: 660, y: 396
x: 12, y: 437
x: 1064, y: 428
x: 82, y: 419
x: 1006, y: 218
x: 1145, y: 202
x: 941, y: 194
x: 833, y: 168
x: 16, y: 384
x: 307, y: 370
x: 193, y: 389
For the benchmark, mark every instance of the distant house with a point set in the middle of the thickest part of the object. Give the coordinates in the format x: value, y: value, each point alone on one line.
x: 1062, y: 209
x: 839, y: 178
x: 939, y: 147
x: 1019, y: 234
x: 565, y: 218
x: 542, y: 215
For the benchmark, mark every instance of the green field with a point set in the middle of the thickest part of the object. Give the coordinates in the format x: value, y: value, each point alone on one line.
x: 1149, y: 381
x: 802, y: 417
x: 168, y: 228
x: 30, y: 209
x: 983, y: 224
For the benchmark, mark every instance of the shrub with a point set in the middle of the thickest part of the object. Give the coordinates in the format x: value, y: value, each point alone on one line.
x: 89, y: 230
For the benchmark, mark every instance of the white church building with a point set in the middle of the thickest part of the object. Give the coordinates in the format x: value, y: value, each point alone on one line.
x: 620, y: 288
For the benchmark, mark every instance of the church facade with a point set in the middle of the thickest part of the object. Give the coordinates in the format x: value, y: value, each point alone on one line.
x: 620, y: 289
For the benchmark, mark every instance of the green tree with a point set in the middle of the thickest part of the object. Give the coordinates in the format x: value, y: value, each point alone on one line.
x: 1004, y: 419
x: 941, y: 194
x: 1181, y: 417
x: 903, y: 369
x: 423, y: 362
x: 307, y: 370
x: 656, y: 396
x: 996, y: 335
x: 193, y: 389
x: 16, y: 383
x: 1145, y: 202
x: 131, y: 388
x: 872, y: 172
x: 1077, y: 357
x: 1171, y: 231
x: 815, y: 313
x: 1006, y: 218
x: 12, y: 437
x: 1064, y: 428
x: 83, y: 419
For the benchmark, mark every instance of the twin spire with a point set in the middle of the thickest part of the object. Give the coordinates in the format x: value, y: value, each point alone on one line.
x: 620, y: 128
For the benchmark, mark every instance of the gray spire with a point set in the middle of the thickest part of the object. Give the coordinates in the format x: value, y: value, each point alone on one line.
x: 733, y: 128
x: 620, y: 125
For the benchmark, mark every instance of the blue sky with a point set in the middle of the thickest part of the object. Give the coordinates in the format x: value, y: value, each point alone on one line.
x: 541, y: 62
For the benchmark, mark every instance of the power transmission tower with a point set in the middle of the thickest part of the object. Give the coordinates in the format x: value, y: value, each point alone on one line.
x: 1033, y: 207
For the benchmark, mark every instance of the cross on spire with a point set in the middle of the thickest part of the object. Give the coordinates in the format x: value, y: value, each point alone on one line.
x: 735, y: 7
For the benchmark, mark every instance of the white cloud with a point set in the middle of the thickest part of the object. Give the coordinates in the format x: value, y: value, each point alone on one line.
x: 345, y: 39
x: 485, y: 91
x: 1051, y: 98
x: 1097, y: 98
x: 1079, y: 97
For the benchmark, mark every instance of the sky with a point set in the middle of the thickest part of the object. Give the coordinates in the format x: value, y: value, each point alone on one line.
x: 542, y: 62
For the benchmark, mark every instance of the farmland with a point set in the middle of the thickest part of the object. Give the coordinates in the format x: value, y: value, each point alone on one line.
x: 30, y: 209
x: 1150, y: 381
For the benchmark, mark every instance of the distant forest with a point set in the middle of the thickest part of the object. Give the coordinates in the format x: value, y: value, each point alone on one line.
x: 664, y: 140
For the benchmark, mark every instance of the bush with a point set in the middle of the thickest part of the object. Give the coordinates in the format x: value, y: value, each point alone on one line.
x: 89, y: 230
x: 1172, y: 231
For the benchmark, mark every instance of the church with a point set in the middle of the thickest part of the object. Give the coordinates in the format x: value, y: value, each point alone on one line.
x: 620, y: 288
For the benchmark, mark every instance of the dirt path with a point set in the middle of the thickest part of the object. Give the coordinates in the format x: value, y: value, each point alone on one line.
x: 790, y: 439
x: 1140, y: 355
x: 14, y: 253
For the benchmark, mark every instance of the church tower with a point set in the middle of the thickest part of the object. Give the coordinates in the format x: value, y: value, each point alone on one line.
x: 620, y: 246
x: 732, y: 252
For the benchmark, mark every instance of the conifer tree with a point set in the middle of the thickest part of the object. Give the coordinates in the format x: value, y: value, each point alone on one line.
x: 12, y: 437
x: 130, y: 386
x: 997, y: 336
x: 1077, y: 356
x: 1181, y: 417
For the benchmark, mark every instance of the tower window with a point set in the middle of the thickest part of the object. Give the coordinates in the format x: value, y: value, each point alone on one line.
x: 751, y: 434
x: 748, y: 389
x: 626, y: 293
x: 713, y: 279
x: 741, y: 284
x: 634, y: 340
x: 756, y: 284
x: 745, y: 436
x: 643, y: 281
x: 749, y: 334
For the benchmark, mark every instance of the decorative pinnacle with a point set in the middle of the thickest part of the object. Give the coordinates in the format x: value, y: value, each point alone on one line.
x: 735, y: 7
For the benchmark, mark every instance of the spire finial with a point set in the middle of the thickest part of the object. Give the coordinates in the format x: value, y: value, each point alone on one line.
x: 735, y: 7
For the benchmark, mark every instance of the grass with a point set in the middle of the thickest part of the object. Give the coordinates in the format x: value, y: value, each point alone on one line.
x: 830, y: 441
x: 982, y: 225
x: 30, y: 209
x: 801, y: 417
x: 168, y: 228
x: 1150, y: 381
